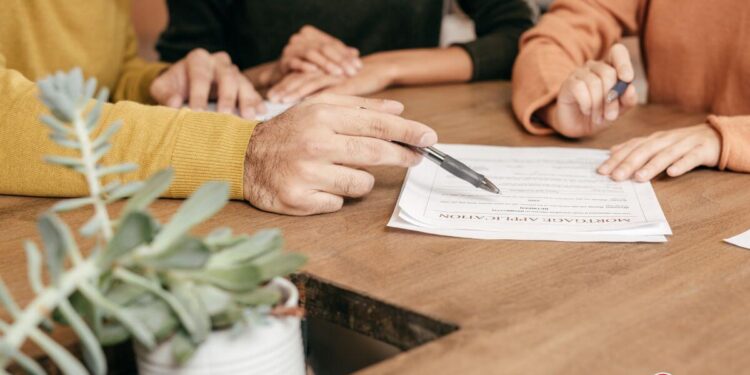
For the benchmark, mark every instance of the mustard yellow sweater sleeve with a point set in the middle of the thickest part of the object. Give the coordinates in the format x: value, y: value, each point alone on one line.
x: 136, y: 74
x: 200, y: 146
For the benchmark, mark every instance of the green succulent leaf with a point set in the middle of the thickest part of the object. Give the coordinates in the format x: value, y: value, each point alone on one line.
x: 136, y: 229
x: 26, y: 363
x: 153, y: 188
x: 116, y: 169
x: 7, y: 300
x: 214, y: 299
x: 71, y: 204
x: 185, y: 292
x: 260, y: 297
x: 107, y: 134
x: 91, y: 227
x: 62, y: 358
x: 279, y: 264
x: 204, y: 203
x: 237, y: 279
x: 124, y: 191
x: 92, y: 350
x: 57, y: 241
x: 65, y: 161
x: 55, y: 125
x: 134, y: 325
x: 92, y: 118
x: 187, y: 319
x: 186, y: 253
x: 255, y: 246
x: 182, y: 347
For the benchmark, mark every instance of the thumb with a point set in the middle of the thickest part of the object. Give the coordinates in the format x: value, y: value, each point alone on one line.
x: 619, y: 58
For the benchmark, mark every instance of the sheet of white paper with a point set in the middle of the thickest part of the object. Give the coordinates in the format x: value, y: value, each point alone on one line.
x: 544, y: 191
x: 397, y: 222
x: 272, y: 110
x: 741, y: 240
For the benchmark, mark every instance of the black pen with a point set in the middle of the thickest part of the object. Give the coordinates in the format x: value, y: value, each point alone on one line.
x: 456, y: 168
x: 617, y: 91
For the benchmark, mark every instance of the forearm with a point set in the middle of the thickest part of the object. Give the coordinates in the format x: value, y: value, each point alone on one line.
x: 426, y: 66
x: 199, y: 146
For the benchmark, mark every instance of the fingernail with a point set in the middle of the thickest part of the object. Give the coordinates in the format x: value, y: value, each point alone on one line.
x: 393, y: 106
x: 428, y: 139
x: 611, y: 115
x: 604, y: 169
x: 351, y: 71
x: 640, y: 176
x: 618, y: 175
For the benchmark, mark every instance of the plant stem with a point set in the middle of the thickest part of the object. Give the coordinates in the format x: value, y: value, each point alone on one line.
x: 45, y: 302
x: 89, y: 165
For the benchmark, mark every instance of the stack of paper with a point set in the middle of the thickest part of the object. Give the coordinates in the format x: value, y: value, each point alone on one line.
x: 545, y: 194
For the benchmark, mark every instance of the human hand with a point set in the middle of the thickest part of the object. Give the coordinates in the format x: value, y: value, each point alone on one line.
x: 312, y: 50
x: 297, y: 85
x: 306, y: 160
x: 201, y: 76
x: 581, y: 107
x: 676, y: 151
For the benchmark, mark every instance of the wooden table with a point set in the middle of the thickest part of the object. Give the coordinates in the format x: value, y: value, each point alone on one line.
x: 522, y: 307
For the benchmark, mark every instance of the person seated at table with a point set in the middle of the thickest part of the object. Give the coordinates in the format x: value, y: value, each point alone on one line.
x: 695, y: 59
x: 282, y: 48
x: 302, y: 162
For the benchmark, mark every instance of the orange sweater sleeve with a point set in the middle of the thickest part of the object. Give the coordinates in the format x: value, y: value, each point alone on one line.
x: 735, y: 141
x: 572, y: 32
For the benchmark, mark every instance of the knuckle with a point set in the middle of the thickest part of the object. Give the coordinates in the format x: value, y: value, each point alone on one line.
x: 313, y: 148
x: 222, y: 56
x: 378, y: 128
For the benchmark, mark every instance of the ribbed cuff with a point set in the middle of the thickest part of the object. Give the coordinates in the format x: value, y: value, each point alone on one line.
x: 210, y: 147
x: 726, y: 147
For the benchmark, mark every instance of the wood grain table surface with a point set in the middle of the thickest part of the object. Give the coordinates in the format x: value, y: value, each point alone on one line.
x: 523, y: 307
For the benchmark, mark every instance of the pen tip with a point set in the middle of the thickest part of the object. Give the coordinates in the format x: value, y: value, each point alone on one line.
x: 489, y: 186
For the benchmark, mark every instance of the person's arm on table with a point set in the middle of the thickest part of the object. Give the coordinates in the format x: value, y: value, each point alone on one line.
x: 302, y: 162
x: 499, y: 24
x: 569, y: 61
x: 199, y: 146
x: 198, y: 74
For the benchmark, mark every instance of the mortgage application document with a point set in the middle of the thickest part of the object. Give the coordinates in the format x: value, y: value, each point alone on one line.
x: 546, y: 193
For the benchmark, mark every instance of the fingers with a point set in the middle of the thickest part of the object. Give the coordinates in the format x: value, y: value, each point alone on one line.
x: 344, y: 181
x: 316, y: 57
x: 688, y: 162
x: 227, y: 87
x: 371, y: 152
x: 249, y: 101
x: 618, y: 154
x: 608, y: 78
x: 170, y: 87
x: 596, y: 93
x: 380, y: 105
x: 629, y: 99
x: 302, y: 66
x: 619, y: 58
x: 385, y: 126
x: 575, y: 91
x: 664, y: 159
x: 200, y: 69
x: 299, y: 85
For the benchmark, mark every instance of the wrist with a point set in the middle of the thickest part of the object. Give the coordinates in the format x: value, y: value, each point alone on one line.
x: 390, y: 66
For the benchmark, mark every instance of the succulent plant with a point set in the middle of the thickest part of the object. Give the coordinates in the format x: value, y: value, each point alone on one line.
x: 142, y: 279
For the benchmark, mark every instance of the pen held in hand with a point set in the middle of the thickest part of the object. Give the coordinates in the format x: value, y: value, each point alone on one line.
x: 617, y: 91
x: 456, y: 168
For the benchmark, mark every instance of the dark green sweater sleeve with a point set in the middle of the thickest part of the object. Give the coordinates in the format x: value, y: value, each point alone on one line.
x: 498, y: 24
x: 193, y: 24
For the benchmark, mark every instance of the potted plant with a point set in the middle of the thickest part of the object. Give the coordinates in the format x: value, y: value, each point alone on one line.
x: 192, y: 305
